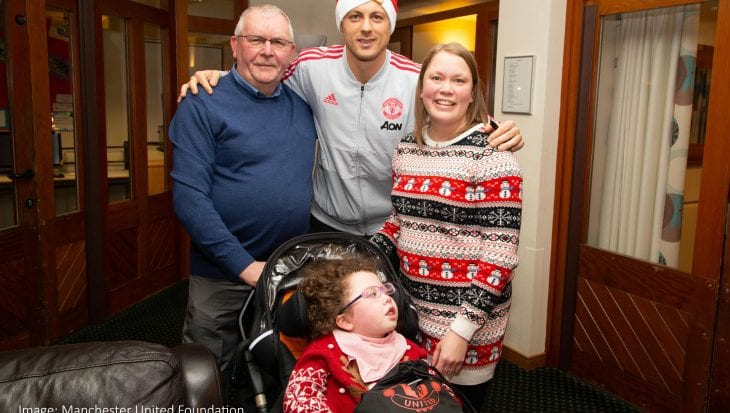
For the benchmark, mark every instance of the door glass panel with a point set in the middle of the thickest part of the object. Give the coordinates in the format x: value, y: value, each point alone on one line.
x: 63, y: 138
x: 209, y: 51
x: 160, y: 4
x: 155, y: 117
x: 219, y: 9
x: 643, y: 196
x: 7, y: 165
x: 116, y: 94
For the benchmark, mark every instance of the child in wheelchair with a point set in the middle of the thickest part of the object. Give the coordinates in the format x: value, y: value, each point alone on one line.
x: 352, y: 323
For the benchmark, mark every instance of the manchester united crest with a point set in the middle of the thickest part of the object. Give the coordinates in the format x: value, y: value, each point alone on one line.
x: 392, y: 108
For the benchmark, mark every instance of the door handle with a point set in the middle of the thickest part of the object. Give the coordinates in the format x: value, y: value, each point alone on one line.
x: 27, y: 174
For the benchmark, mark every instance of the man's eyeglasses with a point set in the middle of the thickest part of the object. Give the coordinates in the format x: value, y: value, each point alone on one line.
x: 371, y: 292
x: 258, y: 41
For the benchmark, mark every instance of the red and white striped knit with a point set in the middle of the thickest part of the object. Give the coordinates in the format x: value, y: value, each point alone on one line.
x: 455, y: 229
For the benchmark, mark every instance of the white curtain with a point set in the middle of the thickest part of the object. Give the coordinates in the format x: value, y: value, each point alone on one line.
x: 638, y: 185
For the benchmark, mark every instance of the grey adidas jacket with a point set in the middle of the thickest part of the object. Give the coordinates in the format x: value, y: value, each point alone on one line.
x: 358, y: 127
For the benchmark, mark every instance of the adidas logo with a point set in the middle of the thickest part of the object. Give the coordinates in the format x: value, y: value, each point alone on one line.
x: 330, y: 99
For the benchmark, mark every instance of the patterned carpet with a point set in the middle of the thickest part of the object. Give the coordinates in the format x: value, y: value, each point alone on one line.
x: 159, y: 319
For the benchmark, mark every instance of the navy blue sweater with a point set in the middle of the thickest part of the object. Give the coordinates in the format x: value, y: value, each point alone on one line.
x: 242, y: 174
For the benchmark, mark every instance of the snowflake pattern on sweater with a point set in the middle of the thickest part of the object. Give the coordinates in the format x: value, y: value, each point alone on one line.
x: 326, y: 380
x: 453, y: 234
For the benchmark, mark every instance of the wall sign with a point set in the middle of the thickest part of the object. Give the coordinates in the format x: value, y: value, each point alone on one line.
x: 517, y: 86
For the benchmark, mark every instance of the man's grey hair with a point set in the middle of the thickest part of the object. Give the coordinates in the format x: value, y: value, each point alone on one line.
x: 268, y: 11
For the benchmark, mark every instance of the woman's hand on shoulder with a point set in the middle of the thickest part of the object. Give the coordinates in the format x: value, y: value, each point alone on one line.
x: 506, y: 136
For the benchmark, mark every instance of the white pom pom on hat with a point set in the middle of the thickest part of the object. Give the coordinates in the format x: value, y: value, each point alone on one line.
x: 344, y: 6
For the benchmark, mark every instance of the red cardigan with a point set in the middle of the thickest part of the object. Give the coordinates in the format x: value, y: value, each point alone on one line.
x: 324, y: 381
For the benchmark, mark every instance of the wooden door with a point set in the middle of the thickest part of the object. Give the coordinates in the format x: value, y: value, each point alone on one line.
x: 21, y: 198
x: 136, y: 67
x: 72, y: 252
x: 66, y: 306
x: 636, y: 325
x: 400, y: 41
x: 86, y: 221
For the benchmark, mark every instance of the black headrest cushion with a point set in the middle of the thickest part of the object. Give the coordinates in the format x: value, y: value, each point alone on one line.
x: 291, y: 316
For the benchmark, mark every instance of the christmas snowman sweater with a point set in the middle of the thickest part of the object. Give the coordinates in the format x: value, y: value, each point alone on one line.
x: 454, y: 231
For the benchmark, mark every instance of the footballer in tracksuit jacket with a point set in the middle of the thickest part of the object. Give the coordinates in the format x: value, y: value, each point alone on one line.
x: 358, y: 127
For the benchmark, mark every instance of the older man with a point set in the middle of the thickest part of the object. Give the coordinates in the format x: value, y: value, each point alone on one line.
x: 242, y: 176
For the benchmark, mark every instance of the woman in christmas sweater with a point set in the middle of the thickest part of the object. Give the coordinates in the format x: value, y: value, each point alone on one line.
x: 455, y: 223
x: 353, y: 320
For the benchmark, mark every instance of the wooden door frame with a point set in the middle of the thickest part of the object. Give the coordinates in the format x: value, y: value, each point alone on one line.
x: 569, y: 153
x: 94, y: 158
x: 67, y: 308
x: 126, y: 222
x: 571, y: 196
x: 21, y: 244
x: 715, y: 151
x: 44, y: 211
x: 404, y: 35
x: 719, y: 390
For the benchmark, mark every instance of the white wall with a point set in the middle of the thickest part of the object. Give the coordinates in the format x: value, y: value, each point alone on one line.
x: 539, y: 32
x: 310, y: 16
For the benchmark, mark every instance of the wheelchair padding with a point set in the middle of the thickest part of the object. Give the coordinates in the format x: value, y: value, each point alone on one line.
x: 291, y: 316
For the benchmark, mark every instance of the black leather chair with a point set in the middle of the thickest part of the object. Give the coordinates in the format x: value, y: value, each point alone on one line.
x: 118, y: 374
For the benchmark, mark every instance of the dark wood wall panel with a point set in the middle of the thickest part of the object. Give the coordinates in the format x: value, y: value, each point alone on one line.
x: 676, y: 325
x: 614, y: 346
x: 655, y: 282
x: 640, y: 342
x: 21, y: 320
x: 591, y: 339
x: 630, y: 387
x: 19, y: 294
x: 14, y: 300
x: 140, y: 288
x: 71, y: 275
x: 668, y: 347
x: 160, y: 244
x: 121, y: 259
x: 71, y: 268
x: 72, y: 290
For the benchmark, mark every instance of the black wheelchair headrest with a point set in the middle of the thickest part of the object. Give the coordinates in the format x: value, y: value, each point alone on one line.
x: 291, y: 316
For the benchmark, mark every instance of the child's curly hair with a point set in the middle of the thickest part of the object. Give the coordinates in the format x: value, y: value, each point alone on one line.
x: 324, y: 286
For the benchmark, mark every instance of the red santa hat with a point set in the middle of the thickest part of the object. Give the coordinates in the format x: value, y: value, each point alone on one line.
x: 344, y: 6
